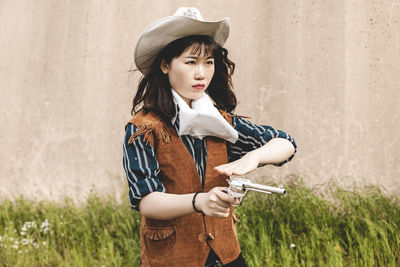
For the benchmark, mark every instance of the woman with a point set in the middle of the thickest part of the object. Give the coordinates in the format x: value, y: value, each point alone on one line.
x: 183, y: 143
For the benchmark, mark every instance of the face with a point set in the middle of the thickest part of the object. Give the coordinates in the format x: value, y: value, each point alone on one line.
x: 190, y: 74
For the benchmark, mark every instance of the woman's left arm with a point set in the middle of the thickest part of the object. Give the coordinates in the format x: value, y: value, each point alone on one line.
x: 257, y: 145
x: 275, y: 151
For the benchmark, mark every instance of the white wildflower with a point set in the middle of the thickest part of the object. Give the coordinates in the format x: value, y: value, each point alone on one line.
x: 28, y: 225
x: 45, y: 226
x: 15, y: 246
x: 25, y: 241
x: 44, y: 243
x: 292, y: 245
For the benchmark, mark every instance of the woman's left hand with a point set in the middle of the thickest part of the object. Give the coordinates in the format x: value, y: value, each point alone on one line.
x: 246, y: 164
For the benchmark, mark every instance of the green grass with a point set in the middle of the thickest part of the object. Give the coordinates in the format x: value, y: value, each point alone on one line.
x: 355, y: 229
x: 302, y: 228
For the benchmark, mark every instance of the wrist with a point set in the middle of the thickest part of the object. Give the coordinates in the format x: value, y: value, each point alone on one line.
x: 196, y: 202
x: 254, y: 156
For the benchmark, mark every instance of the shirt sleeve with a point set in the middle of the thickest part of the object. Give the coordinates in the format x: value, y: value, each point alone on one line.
x: 141, y: 168
x: 252, y: 136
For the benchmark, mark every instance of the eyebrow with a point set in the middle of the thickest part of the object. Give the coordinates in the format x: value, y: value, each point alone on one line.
x: 195, y: 57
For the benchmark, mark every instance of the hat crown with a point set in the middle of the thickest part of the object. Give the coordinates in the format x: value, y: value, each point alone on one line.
x: 190, y: 12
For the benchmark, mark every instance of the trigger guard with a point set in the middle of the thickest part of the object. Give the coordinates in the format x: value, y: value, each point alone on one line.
x: 235, y: 194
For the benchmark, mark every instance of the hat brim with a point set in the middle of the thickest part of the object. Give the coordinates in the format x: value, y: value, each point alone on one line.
x: 169, y: 29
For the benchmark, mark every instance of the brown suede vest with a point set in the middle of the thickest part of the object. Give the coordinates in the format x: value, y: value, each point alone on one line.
x: 185, y: 241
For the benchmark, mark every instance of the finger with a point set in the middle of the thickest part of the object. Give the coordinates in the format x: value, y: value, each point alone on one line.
x: 225, y: 164
x: 239, y: 172
x: 237, y: 201
x: 224, y: 167
x: 229, y: 166
x: 233, y: 171
x: 222, y: 204
x: 216, y: 200
x: 236, y: 165
x: 221, y: 208
x: 228, y: 173
x: 220, y: 214
x: 227, y: 169
x: 224, y: 197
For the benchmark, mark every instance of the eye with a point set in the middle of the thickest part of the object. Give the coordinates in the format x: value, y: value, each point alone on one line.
x: 210, y: 62
x: 192, y: 62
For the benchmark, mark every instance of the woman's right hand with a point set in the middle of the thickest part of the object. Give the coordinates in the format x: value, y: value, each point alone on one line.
x: 215, y: 203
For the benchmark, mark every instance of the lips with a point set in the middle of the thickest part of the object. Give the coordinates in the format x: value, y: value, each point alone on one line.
x: 199, y: 86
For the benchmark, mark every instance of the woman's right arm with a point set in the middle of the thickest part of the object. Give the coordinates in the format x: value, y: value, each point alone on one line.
x: 164, y: 206
x: 147, y: 193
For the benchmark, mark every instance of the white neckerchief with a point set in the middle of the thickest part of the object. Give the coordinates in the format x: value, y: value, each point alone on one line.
x: 203, y: 119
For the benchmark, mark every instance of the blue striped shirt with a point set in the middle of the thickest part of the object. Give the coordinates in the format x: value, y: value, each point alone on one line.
x: 142, y: 168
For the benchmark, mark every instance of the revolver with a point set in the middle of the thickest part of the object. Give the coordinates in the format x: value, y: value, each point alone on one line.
x: 239, y: 187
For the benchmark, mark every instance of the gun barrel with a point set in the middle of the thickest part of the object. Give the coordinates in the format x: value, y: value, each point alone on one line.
x: 266, y: 189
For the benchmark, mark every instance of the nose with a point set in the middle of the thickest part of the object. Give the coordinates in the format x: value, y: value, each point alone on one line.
x: 199, y: 73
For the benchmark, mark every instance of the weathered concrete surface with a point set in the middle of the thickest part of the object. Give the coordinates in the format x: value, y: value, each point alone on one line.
x: 327, y: 72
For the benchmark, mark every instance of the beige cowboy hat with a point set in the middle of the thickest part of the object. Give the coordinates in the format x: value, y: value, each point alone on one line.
x: 186, y: 21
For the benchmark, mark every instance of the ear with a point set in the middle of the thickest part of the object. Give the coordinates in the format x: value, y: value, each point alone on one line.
x: 164, y: 67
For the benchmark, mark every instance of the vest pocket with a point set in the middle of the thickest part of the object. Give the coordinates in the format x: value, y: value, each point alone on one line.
x: 160, y: 241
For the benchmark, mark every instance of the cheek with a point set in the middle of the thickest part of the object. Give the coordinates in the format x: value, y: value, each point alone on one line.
x: 210, y: 73
x: 176, y: 77
x: 175, y: 80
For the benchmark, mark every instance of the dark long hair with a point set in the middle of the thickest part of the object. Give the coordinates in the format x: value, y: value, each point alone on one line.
x: 154, y: 90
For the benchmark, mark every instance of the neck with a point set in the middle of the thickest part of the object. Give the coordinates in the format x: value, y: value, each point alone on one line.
x: 187, y: 100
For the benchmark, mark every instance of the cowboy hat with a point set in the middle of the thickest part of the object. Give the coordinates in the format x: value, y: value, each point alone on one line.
x: 186, y: 21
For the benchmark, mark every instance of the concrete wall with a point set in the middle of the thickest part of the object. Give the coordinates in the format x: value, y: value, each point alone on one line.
x: 327, y: 72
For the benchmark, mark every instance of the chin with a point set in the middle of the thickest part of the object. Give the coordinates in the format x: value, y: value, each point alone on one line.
x: 197, y: 95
